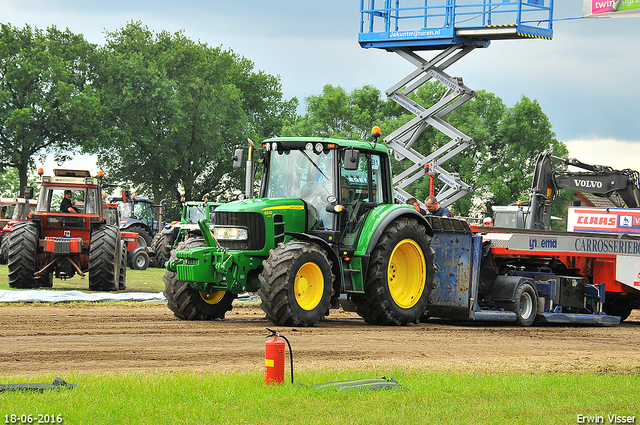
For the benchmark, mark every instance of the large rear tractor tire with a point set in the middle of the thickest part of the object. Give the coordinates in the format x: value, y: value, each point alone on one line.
x: 144, y: 239
x: 400, y: 276
x: 22, y: 257
x: 296, y: 284
x: 104, y: 259
x: 188, y: 303
x: 161, y: 245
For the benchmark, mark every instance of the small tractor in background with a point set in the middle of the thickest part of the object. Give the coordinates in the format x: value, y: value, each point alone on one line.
x: 179, y: 231
x: 60, y: 243
x: 139, y: 215
x: 137, y: 256
x: 12, y: 211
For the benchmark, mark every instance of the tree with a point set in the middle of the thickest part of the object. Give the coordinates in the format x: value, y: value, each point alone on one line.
x: 336, y: 113
x: 47, y: 104
x: 176, y: 110
x: 499, y: 164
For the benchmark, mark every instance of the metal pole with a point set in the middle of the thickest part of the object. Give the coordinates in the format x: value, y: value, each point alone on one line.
x: 248, y: 187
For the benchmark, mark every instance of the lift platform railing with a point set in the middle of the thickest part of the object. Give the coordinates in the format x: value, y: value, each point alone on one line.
x: 435, y: 24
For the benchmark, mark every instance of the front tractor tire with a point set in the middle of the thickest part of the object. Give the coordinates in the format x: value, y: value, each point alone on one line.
x: 104, y: 258
x: 22, y: 257
x: 188, y: 303
x: 400, y: 276
x: 296, y: 284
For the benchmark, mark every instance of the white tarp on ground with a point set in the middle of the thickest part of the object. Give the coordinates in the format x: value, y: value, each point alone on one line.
x: 44, y: 296
x: 31, y: 296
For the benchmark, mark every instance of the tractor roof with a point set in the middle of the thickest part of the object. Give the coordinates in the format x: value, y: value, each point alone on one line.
x: 299, y: 142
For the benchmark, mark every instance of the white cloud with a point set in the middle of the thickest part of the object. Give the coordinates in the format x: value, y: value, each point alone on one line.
x: 617, y: 154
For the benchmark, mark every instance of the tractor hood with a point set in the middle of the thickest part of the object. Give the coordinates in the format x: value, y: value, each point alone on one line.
x: 256, y: 221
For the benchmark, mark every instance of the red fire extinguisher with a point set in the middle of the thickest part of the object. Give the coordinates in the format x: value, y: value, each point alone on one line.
x: 274, y: 359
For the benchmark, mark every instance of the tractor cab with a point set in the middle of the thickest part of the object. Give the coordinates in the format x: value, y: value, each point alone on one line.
x: 338, y: 184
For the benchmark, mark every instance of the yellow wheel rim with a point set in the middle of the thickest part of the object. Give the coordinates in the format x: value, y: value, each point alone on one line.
x: 212, y: 297
x: 309, y: 286
x: 407, y: 273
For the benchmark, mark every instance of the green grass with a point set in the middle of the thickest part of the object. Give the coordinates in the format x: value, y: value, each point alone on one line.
x: 149, y: 280
x: 243, y: 398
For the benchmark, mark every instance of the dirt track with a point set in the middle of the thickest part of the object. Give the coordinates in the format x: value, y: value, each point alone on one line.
x: 37, y: 339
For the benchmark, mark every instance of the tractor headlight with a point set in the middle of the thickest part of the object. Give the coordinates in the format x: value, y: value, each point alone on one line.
x: 231, y: 233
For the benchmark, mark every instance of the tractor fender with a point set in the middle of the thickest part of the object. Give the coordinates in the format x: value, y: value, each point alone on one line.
x: 505, y: 287
x: 390, y: 217
x: 131, y: 222
x: 333, y: 256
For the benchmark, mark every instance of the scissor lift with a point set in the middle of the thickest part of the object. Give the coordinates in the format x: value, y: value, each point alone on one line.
x: 457, y: 27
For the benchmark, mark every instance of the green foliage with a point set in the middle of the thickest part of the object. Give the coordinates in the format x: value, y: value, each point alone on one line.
x: 46, y: 102
x: 336, y: 113
x: 212, y: 397
x: 498, y: 165
x: 175, y: 109
x: 9, y: 183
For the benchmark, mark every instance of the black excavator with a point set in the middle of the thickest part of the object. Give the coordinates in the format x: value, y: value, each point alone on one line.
x: 622, y: 187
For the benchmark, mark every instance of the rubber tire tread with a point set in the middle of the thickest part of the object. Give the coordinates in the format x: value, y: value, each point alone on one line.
x: 122, y: 278
x: 277, y: 280
x: 160, y: 245
x: 134, y: 264
x: 376, y: 306
x: 515, y: 306
x: 104, y: 258
x: 22, y: 256
x: 141, y: 232
x: 4, y: 247
x: 185, y: 302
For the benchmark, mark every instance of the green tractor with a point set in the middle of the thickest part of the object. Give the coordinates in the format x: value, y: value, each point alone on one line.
x: 325, y: 231
x: 178, y: 231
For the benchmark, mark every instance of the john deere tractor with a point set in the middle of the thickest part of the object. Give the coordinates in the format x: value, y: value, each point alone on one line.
x: 324, y: 230
x: 178, y: 231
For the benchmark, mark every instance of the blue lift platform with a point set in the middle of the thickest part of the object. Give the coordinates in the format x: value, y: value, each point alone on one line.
x: 456, y: 27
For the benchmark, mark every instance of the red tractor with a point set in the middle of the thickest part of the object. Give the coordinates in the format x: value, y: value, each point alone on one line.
x: 137, y: 256
x: 67, y: 235
x: 12, y: 211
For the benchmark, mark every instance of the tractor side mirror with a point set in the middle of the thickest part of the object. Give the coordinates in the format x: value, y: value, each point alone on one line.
x: 126, y: 196
x: 238, y: 156
x: 351, y: 159
x: 28, y: 192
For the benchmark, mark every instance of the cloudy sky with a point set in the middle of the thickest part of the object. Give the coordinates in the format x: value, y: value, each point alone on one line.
x: 586, y: 78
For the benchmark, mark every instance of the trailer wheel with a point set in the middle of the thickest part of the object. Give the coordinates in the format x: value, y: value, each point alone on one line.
x: 400, y: 276
x: 526, y: 305
x: 122, y: 279
x: 161, y: 246
x: 618, y: 307
x: 296, y: 284
x: 104, y: 259
x: 22, y: 257
x: 188, y: 303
